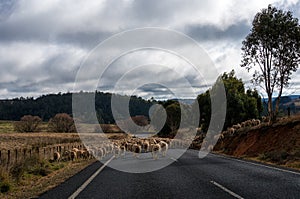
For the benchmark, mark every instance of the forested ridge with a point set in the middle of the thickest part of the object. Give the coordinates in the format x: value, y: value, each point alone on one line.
x: 47, y: 106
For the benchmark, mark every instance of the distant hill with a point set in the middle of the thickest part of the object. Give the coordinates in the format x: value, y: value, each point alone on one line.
x: 47, y: 106
x: 184, y: 101
x: 292, y: 101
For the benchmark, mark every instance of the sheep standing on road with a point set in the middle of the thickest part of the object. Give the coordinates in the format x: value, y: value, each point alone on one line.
x: 122, y: 151
x: 155, y: 150
x: 137, y: 149
x: 164, y: 148
x: 145, y: 146
x: 116, y: 151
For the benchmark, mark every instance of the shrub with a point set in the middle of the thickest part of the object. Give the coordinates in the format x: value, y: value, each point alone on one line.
x: 274, y: 156
x: 62, y: 123
x: 4, y: 187
x: 28, y: 123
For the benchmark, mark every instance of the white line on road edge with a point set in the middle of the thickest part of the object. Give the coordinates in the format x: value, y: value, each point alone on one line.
x: 227, y: 190
x: 88, y: 181
x: 257, y: 164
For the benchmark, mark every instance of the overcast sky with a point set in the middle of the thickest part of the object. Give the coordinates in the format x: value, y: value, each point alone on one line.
x: 43, y: 43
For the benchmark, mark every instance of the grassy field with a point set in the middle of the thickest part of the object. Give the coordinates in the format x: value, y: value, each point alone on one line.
x: 28, y: 176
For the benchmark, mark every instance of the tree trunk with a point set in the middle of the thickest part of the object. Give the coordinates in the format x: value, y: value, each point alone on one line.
x: 270, y: 109
x: 279, y: 96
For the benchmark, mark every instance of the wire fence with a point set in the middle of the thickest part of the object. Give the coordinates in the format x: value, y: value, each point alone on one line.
x: 11, y: 157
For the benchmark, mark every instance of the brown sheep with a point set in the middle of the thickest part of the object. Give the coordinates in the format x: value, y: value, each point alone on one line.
x: 137, y: 149
x: 56, y: 156
x: 73, y: 155
x: 145, y: 146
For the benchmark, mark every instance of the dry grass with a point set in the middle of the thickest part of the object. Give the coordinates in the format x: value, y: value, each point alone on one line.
x: 29, y: 140
x: 31, y: 186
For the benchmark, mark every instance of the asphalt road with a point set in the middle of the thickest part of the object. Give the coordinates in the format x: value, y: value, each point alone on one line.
x: 189, y: 177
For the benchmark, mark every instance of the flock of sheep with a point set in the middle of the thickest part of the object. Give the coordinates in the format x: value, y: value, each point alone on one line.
x: 247, y: 123
x: 118, y: 148
x: 155, y: 146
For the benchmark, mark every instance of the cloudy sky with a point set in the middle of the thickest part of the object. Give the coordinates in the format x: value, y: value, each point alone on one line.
x: 43, y: 44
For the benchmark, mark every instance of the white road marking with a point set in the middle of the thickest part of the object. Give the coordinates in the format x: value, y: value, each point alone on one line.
x: 88, y: 181
x: 227, y: 190
x: 257, y: 164
x: 174, y: 159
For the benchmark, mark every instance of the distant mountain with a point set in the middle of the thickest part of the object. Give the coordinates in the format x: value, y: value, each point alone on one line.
x: 185, y: 101
x: 291, y: 101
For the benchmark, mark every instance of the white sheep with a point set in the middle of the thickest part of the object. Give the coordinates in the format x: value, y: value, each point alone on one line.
x: 155, y: 150
x: 122, y: 151
x: 163, y: 147
x: 116, y: 151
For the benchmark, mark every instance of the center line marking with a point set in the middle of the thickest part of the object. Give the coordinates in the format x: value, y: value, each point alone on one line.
x: 88, y: 181
x: 227, y: 190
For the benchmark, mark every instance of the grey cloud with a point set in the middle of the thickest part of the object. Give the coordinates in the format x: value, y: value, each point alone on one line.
x: 83, y: 25
x: 6, y: 9
x: 212, y: 33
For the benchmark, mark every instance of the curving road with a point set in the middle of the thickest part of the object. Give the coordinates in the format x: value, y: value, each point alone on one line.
x: 214, y: 176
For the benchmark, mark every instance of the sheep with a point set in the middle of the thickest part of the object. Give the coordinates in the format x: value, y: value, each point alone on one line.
x: 264, y: 119
x: 237, y: 126
x: 129, y: 146
x: 116, y: 151
x: 256, y: 122
x: 66, y: 156
x: 137, y: 149
x: 122, y: 151
x: 73, y: 155
x: 79, y: 154
x: 164, y: 148
x: 231, y: 131
x: 210, y: 147
x: 145, y: 146
x: 155, y: 150
x: 85, y: 154
x: 56, y: 156
x: 100, y: 153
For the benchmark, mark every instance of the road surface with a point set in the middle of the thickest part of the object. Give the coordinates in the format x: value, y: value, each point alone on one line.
x: 214, y: 176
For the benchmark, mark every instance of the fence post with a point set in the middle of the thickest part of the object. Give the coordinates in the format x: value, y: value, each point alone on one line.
x: 16, y: 155
x: 8, y: 157
x: 24, y: 154
x: 38, y: 152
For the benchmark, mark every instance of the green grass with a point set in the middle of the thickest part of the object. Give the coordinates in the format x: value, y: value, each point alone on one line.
x: 6, y: 126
